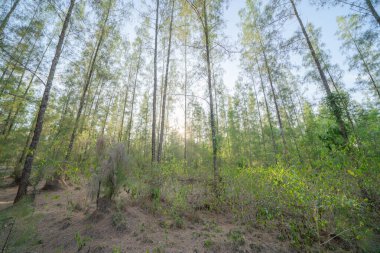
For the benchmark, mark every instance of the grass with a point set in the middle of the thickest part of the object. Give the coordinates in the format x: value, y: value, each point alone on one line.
x: 24, y: 234
x: 306, y: 205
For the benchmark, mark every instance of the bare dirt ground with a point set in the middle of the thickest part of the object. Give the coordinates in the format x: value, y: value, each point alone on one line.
x: 67, y: 222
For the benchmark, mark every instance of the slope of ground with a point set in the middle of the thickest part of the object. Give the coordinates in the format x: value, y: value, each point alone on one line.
x: 66, y: 222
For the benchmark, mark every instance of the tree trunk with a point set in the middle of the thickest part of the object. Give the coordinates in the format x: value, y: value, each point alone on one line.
x: 268, y: 113
x: 133, y: 100
x: 86, y: 86
x: 162, y: 128
x: 185, y: 129
x: 373, y: 11
x: 365, y: 64
x: 260, y: 119
x: 275, y: 101
x: 21, y: 160
x: 155, y: 85
x: 291, y: 126
x: 211, y: 101
x: 22, y: 190
x: 121, y: 131
x: 12, y: 121
x: 4, y: 22
x: 8, y: 120
x: 106, y: 117
x: 332, y: 103
x: 15, y: 49
x: 95, y: 115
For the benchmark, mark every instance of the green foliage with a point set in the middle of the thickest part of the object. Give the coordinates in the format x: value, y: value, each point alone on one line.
x: 119, y: 221
x: 116, y: 250
x: 236, y: 237
x: 208, y: 243
x: 308, y: 202
x: 23, y: 235
x: 81, y: 241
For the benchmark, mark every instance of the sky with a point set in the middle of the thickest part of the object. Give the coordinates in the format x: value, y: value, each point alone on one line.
x: 324, y: 18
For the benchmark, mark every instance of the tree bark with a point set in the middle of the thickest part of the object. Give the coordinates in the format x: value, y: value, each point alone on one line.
x: 185, y: 130
x: 155, y: 85
x: 86, y: 86
x: 373, y: 11
x: 365, y: 64
x: 163, y: 111
x: 121, y: 131
x: 12, y: 121
x: 332, y: 103
x: 8, y: 120
x: 16, y: 49
x: 22, y: 190
x: 274, y: 144
x: 133, y: 100
x: 4, y: 22
x: 275, y: 100
x: 211, y: 101
x: 260, y: 118
x: 106, y: 117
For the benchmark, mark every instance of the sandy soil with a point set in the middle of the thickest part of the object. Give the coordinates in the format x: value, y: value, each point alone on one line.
x: 67, y: 213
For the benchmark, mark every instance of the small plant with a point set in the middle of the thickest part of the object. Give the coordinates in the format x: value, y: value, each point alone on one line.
x: 114, y: 171
x: 208, y: 243
x: 74, y: 207
x: 158, y: 249
x: 119, y: 221
x: 236, y: 237
x: 81, y: 241
x: 116, y: 250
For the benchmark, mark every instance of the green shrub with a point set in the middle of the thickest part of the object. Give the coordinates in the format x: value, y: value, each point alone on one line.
x: 236, y: 237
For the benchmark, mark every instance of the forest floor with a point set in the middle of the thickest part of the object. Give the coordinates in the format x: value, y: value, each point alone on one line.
x: 65, y: 223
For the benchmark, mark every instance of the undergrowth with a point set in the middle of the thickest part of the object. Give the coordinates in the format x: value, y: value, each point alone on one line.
x: 18, y: 227
x: 322, y: 208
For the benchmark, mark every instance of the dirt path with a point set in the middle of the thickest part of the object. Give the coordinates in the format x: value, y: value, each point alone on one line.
x: 7, y: 196
x: 67, y: 224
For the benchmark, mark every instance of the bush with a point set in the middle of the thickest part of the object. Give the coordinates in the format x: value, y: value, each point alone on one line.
x: 311, y: 205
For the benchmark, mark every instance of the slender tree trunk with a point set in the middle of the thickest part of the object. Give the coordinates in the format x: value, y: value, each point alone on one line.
x: 22, y: 190
x: 337, y: 90
x: 185, y: 130
x: 4, y: 22
x: 155, y: 85
x: 121, y: 131
x: 9, y: 117
x: 133, y: 101
x: 373, y: 11
x: 161, y: 90
x: 15, y: 49
x: 63, y: 116
x: 12, y: 121
x: 365, y: 64
x: 275, y: 102
x: 86, y: 86
x: 145, y: 148
x: 211, y: 101
x: 334, y: 107
x: 216, y: 99
x: 94, y: 115
x: 260, y: 119
x: 268, y: 113
x: 106, y: 117
x: 21, y: 160
x: 291, y: 127
x: 163, y: 111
